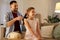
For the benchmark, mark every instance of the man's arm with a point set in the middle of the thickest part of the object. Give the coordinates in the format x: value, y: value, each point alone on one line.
x: 11, y: 22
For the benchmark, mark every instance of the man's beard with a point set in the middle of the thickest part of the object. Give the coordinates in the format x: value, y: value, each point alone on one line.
x: 15, y: 10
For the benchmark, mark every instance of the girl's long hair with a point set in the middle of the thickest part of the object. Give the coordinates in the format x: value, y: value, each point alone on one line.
x: 28, y: 10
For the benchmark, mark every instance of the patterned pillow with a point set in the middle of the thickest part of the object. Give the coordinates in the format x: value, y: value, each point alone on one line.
x: 14, y: 36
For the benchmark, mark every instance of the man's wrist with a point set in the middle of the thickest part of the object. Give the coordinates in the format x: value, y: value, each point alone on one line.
x: 14, y: 19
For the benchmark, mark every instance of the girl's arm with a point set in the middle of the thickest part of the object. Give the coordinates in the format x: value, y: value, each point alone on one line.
x: 38, y: 29
x: 29, y: 27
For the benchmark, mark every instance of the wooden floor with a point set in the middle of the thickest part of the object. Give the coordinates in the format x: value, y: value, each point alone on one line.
x: 42, y: 39
x: 49, y: 39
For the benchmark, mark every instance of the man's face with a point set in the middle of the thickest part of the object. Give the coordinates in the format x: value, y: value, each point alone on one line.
x: 14, y: 7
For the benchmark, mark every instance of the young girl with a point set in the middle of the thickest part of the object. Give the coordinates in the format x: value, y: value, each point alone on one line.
x: 32, y: 25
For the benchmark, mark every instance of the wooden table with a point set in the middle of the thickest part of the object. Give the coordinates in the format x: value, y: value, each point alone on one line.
x: 1, y: 31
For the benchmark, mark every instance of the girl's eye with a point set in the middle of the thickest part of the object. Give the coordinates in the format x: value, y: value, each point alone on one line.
x: 33, y: 11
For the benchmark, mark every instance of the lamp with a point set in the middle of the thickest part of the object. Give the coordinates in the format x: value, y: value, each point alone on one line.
x: 57, y: 8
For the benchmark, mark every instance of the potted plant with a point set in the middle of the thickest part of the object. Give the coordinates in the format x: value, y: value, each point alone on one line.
x: 51, y: 19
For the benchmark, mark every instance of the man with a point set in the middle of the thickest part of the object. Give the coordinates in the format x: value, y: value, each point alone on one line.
x: 13, y: 19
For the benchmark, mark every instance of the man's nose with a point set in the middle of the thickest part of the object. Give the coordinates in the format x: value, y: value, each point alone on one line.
x: 16, y: 7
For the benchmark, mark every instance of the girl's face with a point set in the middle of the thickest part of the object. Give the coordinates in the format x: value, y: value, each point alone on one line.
x: 31, y: 13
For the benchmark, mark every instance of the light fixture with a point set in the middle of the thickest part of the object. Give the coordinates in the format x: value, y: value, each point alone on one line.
x: 57, y: 8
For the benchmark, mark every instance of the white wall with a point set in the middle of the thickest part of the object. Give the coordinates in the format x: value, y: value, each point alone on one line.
x: 57, y: 0
x: 44, y: 7
x: 5, y: 7
x: 20, y: 6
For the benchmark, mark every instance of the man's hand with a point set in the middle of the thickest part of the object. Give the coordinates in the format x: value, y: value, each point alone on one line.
x: 19, y: 18
x: 10, y: 23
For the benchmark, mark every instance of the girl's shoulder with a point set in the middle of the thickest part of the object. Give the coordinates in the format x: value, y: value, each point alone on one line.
x: 25, y: 20
x: 36, y: 19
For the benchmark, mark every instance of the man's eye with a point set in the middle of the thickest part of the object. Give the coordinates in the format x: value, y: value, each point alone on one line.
x: 33, y: 12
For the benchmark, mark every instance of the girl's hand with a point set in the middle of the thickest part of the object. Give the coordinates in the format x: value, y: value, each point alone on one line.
x: 39, y: 38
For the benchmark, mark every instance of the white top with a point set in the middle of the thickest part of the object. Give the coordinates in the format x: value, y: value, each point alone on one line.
x: 33, y: 24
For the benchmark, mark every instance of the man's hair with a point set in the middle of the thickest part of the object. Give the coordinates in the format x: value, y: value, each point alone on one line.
x: 13, y: 2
